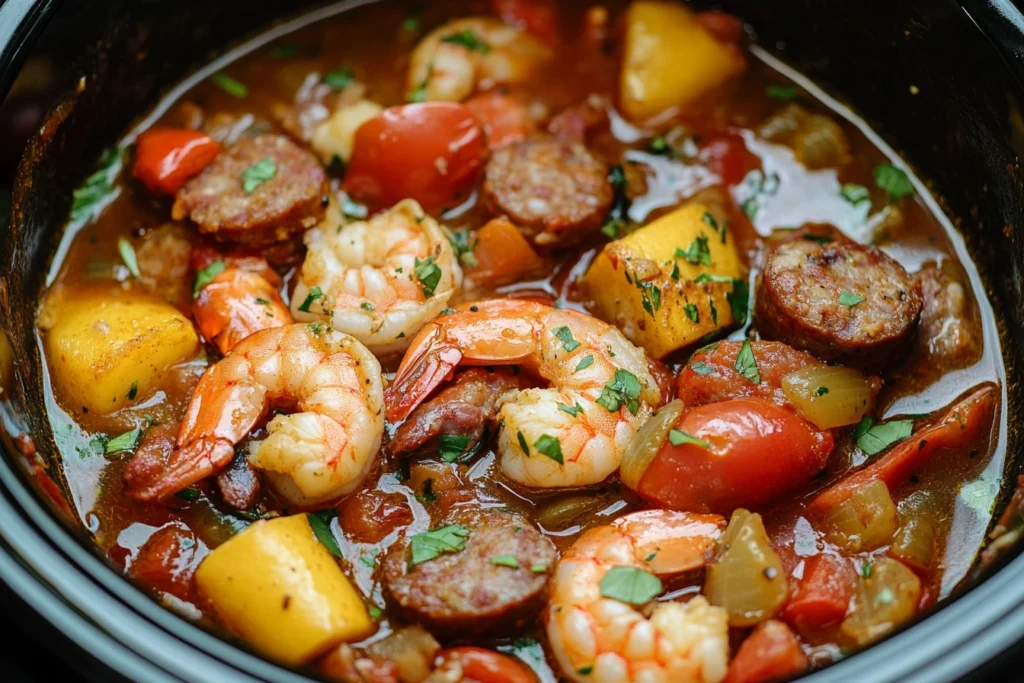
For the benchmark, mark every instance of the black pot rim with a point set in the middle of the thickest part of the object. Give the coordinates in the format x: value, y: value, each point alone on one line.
x: 58, y: 573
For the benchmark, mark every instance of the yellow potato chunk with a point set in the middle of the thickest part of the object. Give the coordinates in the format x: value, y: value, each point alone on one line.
x: 671, y: 60
x: 668, y: 284
x: 278, y: 587
x: 336, y: 136
x: 100, y: 348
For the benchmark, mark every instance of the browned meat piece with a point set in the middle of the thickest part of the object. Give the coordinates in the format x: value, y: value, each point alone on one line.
x: 462, y: 409
x: 556, y: 192
x: 163, y: 260
x: 314, y: 103
x: 465, y: 591
x: 256, y: 192
x: 949, y: 334
x: 239, y: 484
x: 575, y: 123
x: 150, y: 459
x: 839, y: 300
x: 167, y: 561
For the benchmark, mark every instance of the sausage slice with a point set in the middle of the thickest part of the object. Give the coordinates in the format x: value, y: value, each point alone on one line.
x: 839, y: 300
x: 467, y: 591
x: 256, y: 193
x: 555, y: 191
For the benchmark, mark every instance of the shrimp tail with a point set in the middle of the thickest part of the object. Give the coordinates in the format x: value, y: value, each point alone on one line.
x: 418, y: 378
x: 188, y: 465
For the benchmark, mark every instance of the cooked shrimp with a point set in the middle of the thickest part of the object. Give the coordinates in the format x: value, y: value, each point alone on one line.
x: 572, y: 433
x: 379, y: 280
x: 596, y: 637
x: 236, y: 304
x: 316, y: 454
x: 455, y: 60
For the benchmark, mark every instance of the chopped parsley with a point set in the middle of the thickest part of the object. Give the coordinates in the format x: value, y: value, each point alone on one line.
x: 615, y: 223
x: 849, y: 299
x: 538, y: 568
x: 865, y: 570
x: 631, y: 585
x: 710, y: 220
x: 572, y: 410
x: 757, y: 186
x: 677, y: 437
x: 675, y: 271
x: 320, y: 522
x: 564, y: 335
x: 821, y: 391
x: 230, y: 85
x: 522, y: 443
x: 314, y: 293
x: 189, y: 495
x: 874, y: 438
x: 702, y: 368
x: 375, y: 612
x: 340, y: 78
x: 855, y: 194
x: 698, y: 251
x: 658, y: 145
x: 127, y: 251
x: 584, y: 364
x: 429, y: 545
x: 623, y: 388
x: 884, y: 597
x: 98, y: 187
x: 261, y: 301
x: 206, y: 276
x: 894, y: 181
x: 133, y: 391
x: 549, y: 446
x: 505, y: 561
x: 692, y: 312
x: 257, y: 174
x: 451, y: 447
x: 782, y: 92
x: 353, y: 209
x: 468, y: 39
x: 650, y: 295
x: 819, y: 239
x: 429, y: 275
x: 746, y: 364
x: 124, y: 442
x: 463, y: 242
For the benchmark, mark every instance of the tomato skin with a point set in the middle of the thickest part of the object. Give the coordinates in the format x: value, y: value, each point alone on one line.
x: 770, y: 653
x: 727, y: 157
x: 431, y: 152
x: 823, y: 594
x: 487, y: 666
x: 757, y: 452
x: 505, y: 119
x: 537, y: 17
x: 166, y: 157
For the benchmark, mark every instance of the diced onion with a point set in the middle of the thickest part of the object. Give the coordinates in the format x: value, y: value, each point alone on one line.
x: 559, y: 513
x: 829, y: 396
x: 646, y: 442
x: 412, y: 649
x: 746, y: 577
x: 883, y: 601
x: 866, y: 520
x: 914, y: 542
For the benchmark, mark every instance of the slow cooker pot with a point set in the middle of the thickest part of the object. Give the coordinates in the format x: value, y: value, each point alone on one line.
x: 961, y: 126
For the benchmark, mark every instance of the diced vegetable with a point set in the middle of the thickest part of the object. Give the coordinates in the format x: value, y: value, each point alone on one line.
x: 914, y: 542
x: 278, y: 587
x: 829, y: 396
x: 671, y: 59
x: 823, y: 594
x: 647, y: 442
x: 559, y: 513
x: 746, y: 577
x: 488, y: 666
x: 667, y: 285
x: 727, y: 157
x: 336, y: 136
x: 723, y: 466
x: 967, y: 425
x: 412, y: 649
x: 816, y: 140
x: 100, y: 347
x: 538, y: 17
x: 770, y: 653
x: 166, y: 157
x: 865, y: 521
x: 506, y: 119
x: 885, y: 600
x: 502, y: 255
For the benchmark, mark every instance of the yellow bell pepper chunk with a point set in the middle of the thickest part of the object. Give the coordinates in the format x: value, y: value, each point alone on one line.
x: 671, y: 60
x: 667, y: 285
x: 279, y: 588
x: 106, y: 352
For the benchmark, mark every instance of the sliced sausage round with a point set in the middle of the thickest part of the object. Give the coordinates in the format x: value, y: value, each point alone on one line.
x: 555, y: 191
x: 497, y: 580
x: 839, y: 300
x: 257, y: 192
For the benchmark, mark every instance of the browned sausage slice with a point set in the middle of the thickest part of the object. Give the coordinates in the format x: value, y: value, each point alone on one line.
x: 839, y: 300
x: 469, y: 590
x: 256, y: 193
x: 555, y: 191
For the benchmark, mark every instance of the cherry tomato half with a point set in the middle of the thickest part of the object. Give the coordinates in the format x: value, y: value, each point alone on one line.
x: 166, y: 157
x: 487, y: 666
x: 740, y: 453
x: 505, y: 119
x: 431, y: 152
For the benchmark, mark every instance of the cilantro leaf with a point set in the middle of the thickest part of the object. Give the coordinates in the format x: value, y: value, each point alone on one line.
x: 874, y: 438
x: 320, y: 523
x: 894, y: 181
x: 678, y: 438
x: 206, y: 276
x: 257, y: 174
x: 631, y: 585
x: 230, y: 85
x: 124, y: 442
x: 314, y: 293
x: 623, y: 388
x: 746, y: 364
x: 429, y: 275
x: 849, y: 299
x: 429, y: 545
x: 340, y: 78
x: 564, y: 335
x: 549, y: 446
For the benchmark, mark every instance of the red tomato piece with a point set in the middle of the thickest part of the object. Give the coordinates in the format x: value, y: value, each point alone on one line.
x: 505, y: 119
x: 770, y: 653
x: 538, y: 17
x: 431, y: 152
x: 823, y: 594
x: 727, y: 157
x: 166, y: 157
x: 369, y: 516
x: 167, y: 561
x: 487, y: 666
x: 756, y: 452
